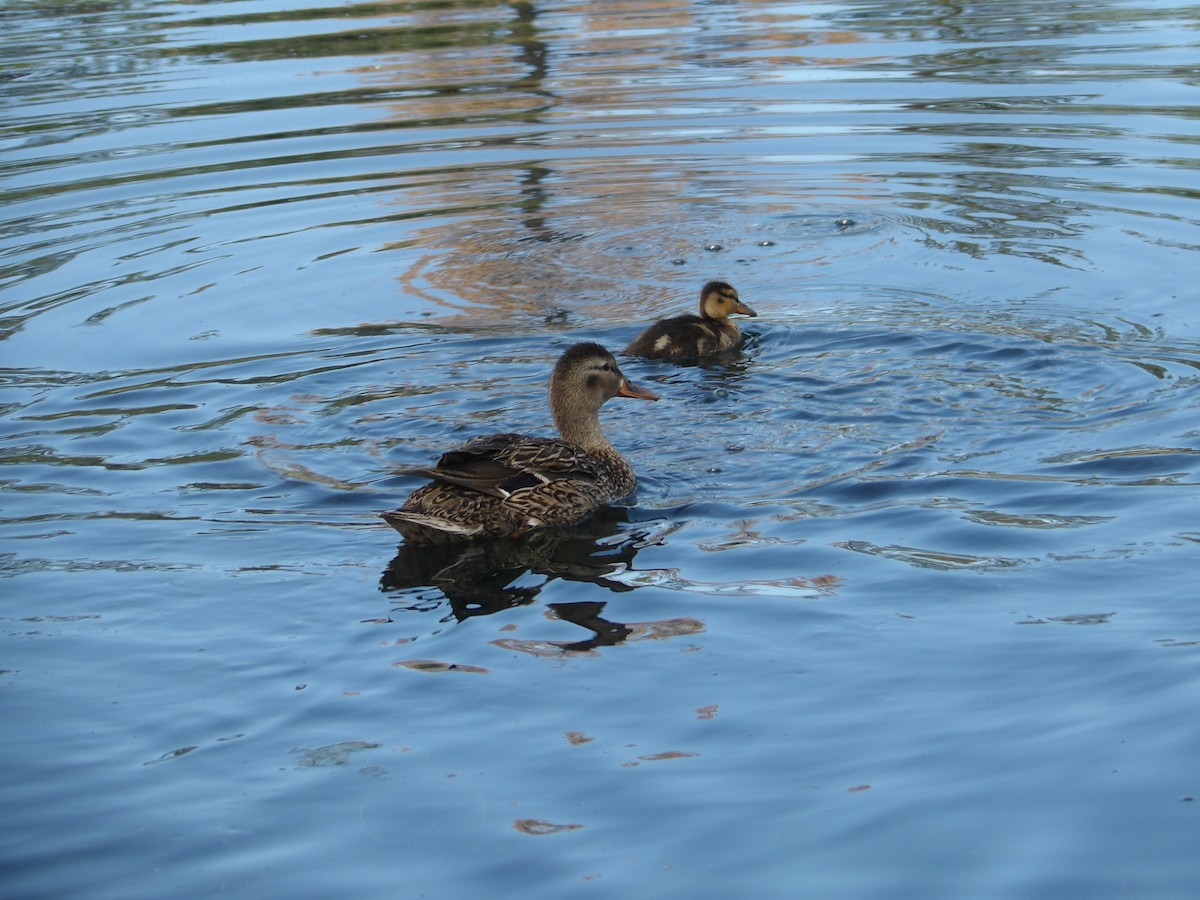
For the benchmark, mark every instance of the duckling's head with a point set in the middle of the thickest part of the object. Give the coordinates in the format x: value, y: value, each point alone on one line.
x: 719, y: 300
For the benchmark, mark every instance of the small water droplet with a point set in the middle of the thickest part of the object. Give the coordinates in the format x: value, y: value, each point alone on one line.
x: 713, y: 248
x: 766, y: 243
x: 843, y: 223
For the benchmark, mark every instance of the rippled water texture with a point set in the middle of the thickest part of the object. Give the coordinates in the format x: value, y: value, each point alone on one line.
x: 905, y: 604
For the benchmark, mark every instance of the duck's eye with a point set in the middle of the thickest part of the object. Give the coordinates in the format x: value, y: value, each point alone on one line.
x: 607, y: 367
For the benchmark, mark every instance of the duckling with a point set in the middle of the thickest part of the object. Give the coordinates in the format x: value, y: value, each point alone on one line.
x: 690, y: 336
x: 509, y: 484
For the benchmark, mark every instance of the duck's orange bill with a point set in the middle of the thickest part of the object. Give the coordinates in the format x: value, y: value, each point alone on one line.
x: 629, y: 389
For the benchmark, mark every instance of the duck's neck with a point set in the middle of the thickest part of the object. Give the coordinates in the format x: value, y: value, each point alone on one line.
x: 582, y: 429
x: 727, y: 325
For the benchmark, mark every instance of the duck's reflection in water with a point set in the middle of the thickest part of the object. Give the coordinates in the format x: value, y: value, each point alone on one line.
x: 479, y: 578
x: 605, y: 632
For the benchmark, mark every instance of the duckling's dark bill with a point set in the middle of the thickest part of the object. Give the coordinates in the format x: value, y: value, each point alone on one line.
x: 744, y: 309
x: 629, y: 389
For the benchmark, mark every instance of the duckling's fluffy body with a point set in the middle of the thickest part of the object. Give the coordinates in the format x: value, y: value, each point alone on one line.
x: 691, y: 336
x: 507, y: 484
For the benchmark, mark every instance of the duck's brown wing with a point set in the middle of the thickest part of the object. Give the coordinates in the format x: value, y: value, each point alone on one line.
x: 500, y: 464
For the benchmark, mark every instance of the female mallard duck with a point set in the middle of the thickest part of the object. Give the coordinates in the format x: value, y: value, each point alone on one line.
x: 690, y: 336
x: 507, y: 484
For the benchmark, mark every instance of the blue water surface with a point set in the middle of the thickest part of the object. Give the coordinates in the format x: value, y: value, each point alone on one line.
x: 904, y: 605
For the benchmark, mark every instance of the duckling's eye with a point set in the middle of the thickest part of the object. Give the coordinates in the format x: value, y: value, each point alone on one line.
x: 607, y: 367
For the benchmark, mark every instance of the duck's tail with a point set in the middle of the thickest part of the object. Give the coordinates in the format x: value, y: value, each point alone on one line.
x: 417, y: 526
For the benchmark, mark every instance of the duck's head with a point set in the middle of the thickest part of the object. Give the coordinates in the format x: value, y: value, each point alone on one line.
x: 586, y: 377
x: 719, y: 300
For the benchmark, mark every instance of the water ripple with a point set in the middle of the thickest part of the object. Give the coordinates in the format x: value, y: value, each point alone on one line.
x: 257, y: 255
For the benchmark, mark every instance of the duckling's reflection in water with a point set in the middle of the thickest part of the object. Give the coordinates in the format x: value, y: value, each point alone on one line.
x: 482, y: 577
x: 479, y: 578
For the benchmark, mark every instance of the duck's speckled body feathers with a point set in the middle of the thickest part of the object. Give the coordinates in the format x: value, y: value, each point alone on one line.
x: 507, y: 484
x: 691, y: 336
